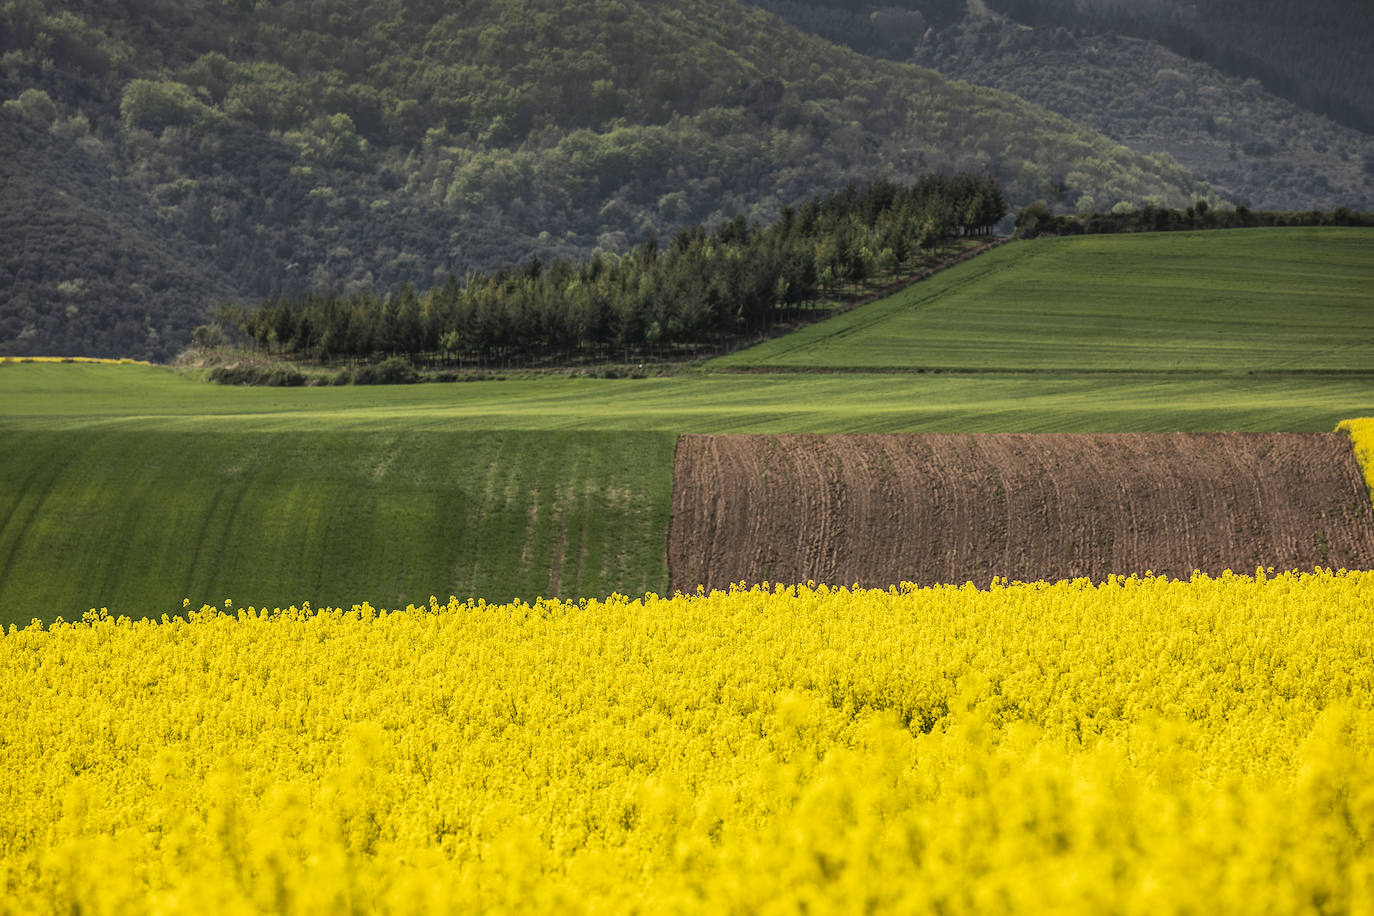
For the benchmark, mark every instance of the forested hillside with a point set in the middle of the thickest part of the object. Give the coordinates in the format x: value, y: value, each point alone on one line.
x: 1252, y: 146
x: 1126, y: 70
x: 167, y: 155
x: 1315, y: 52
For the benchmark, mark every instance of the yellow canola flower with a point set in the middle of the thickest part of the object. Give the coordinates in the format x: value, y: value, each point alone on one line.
x: 1361, y: 433
x: 124, y: 361
x: 1136, y: 746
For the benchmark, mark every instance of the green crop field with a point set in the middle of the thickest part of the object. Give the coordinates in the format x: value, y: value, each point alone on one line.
x: 131, y: 487
x: 135, y: 519
x: 1239, y: 301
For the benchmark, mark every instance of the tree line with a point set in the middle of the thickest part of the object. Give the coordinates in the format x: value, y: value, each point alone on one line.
x: 1035, y: 220
x: 702, y: 286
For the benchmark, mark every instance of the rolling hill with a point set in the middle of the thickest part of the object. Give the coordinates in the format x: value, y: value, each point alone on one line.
x: 1249, y: 301
x: 272, y: 149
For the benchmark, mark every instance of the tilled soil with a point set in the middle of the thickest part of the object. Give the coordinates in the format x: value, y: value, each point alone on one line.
x: 882, y: 509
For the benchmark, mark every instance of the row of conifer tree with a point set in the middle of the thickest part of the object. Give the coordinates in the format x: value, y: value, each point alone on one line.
x: 703, y: 285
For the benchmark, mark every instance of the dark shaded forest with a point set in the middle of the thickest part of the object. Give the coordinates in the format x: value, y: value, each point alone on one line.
x: 700, y: 288
x: 1253, y: 147
x: 1314, y: 52
x: 1100, y: 64
x: 887, y: 30
x: 168, y: 155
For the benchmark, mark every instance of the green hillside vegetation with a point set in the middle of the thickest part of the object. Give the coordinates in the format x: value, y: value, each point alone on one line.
x: 1239, y: 301
x: 275, y: 149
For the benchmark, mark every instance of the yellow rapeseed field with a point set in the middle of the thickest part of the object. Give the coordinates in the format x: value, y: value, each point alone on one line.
x: 1137, y: 746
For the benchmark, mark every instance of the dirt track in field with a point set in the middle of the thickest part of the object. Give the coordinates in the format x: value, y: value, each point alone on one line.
x: 878, y: 510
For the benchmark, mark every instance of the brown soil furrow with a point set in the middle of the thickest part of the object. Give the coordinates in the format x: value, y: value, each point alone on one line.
x: 952, y: 508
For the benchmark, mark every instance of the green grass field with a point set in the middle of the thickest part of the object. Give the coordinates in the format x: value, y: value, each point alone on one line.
x: 1239, y: 301
x: 89, y: 397
x: 131, y: 487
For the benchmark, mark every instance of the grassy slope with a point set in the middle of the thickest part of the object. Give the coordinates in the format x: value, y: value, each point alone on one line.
x: 1240, y: 301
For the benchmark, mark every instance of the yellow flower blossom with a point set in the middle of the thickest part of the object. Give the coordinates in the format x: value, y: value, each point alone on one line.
x: 1141, y: 745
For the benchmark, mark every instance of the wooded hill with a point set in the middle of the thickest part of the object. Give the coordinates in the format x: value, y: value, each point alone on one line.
x: 168, y: 155
x: 1314, y: 52
x: 1252, y: 146
x: 1104, y: 69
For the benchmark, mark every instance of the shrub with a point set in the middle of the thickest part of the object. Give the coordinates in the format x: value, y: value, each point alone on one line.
x: 392, y: 371
x: 266, y: 376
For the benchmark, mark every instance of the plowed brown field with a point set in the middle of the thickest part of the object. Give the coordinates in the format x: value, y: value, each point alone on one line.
x: 878, y: 510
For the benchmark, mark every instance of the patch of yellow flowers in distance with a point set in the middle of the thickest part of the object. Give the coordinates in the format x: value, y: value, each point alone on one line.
x: 1361, y: 433
x: 1142, y: 745
x: 73, y: 359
